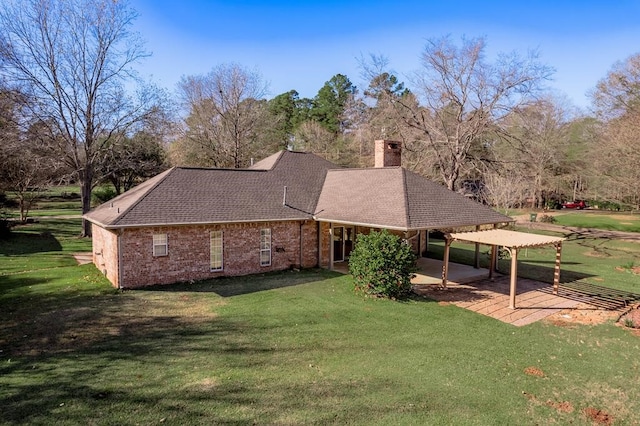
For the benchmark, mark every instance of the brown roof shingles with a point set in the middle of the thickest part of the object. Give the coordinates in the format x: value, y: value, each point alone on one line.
x: 364, y: 196
x: 396, y: 198
x: 389, y: 197
x: 192, y: 195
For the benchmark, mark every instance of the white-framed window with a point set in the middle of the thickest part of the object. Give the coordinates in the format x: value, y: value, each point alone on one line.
x: 216, y: 250
x: 160, y: 245
x: 265, y: 247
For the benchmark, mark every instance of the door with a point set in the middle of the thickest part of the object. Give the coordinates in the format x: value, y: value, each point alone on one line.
x: 349, y: 237
x: 343, y: 240
x: 338, y: 244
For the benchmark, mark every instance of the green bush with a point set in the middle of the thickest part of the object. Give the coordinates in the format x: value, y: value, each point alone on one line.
x: 382, y: 265
x: 103, y: 194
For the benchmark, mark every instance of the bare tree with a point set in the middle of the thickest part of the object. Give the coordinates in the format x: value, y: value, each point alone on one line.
x: 226, y: 114
x: 619, y: 92
x: 616, y: 98
x: 73, y: 60
x: 537, y: 141
x: 463, y: 95
x: 504, y: 189
x: 617, y: 157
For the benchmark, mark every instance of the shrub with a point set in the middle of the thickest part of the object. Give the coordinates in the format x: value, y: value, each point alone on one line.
x: 103, y: 194
x: 547, y: 218
x: 382, y: 265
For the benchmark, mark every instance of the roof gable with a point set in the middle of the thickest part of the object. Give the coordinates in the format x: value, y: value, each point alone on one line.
x: 364, y: 196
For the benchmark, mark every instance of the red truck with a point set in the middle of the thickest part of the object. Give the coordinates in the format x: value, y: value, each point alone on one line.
x: 574, y: 205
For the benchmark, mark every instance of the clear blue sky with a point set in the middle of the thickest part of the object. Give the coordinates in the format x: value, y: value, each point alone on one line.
x: 301, y: 44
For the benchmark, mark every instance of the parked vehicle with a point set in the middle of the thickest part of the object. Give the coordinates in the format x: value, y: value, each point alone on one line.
x: 574, y: 205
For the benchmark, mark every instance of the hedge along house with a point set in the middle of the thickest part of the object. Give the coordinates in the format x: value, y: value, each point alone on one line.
x: 291, y: 209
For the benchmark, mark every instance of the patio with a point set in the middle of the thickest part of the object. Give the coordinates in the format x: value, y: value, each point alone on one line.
x: 471, y: 289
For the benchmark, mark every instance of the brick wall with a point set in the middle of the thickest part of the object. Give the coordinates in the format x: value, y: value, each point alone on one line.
x: 189, y: 251
x: 105, y: 252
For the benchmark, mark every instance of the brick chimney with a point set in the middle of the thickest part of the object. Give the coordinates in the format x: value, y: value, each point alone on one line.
x: 388, y: 153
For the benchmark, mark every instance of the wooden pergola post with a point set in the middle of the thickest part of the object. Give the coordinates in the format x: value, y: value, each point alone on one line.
x: 556, y: 271
x: 514, y: 277
x: 476, y: 259
x: 492, y: 261
x: 445, y: 261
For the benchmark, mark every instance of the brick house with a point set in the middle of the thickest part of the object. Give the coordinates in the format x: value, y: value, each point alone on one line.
x: 290, y: 210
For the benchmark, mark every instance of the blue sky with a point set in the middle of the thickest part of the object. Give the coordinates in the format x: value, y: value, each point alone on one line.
x: 302, y: 44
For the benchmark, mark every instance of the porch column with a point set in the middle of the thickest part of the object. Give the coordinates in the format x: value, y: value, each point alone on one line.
x: 445, y: 261
x: 514, y: 277
x: 476, y: 263
x: 331, y: 246
x: 492, y: 260
x: 556, y: 272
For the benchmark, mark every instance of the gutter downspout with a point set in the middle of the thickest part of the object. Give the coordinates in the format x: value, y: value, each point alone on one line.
x: 119, y: 237
x: 301, y: 223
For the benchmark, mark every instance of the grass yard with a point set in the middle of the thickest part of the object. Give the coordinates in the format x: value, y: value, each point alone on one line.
x: 285, y: 348
x: 611, y: 221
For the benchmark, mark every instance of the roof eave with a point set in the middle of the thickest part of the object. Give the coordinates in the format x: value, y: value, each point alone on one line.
x: 218, y: 222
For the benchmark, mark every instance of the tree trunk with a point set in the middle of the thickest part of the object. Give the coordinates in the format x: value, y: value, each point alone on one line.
x: 86, y: 184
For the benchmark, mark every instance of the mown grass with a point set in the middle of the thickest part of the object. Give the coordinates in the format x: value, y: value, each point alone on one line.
x: 626, y: 222
x: 287, y: 348
x: 56, y: 201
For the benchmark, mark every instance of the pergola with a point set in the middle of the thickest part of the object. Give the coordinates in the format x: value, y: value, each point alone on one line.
x: 512, y: 241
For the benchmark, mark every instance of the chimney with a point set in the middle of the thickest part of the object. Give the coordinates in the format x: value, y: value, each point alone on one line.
x: 388, y: 153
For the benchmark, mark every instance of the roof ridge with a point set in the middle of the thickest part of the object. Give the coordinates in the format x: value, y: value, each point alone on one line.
x: 145, y: 193
x: 245, y: 169
x: 280, y: 155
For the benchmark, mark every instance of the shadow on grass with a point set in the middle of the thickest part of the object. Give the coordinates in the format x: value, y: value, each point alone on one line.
x: 124, y: 358
x: 52, y: 351
x: 15, y: 281
x: 235, y: 286
x: 540, y: 272
x: 20, y: 243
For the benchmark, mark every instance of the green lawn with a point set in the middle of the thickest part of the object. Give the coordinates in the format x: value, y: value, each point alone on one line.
x: 285, y: 348
x: 600, y: 220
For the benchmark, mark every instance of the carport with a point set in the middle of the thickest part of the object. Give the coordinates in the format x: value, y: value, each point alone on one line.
x: 512, y: 241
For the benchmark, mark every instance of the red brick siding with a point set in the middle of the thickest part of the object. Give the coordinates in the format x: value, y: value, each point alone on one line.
x: 188, y: 248
x: 105, y: 252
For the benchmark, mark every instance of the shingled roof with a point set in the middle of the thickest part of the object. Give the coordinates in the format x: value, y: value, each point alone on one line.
x: 389, y: 197
x: 395, y: 198
x: 184, y: 195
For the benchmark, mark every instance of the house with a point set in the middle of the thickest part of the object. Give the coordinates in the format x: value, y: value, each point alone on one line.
x: 290, y: 210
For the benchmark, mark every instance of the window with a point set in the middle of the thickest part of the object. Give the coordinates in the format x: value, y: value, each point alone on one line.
x: 160, y: 246
x: 216, y: 250
x: 265, y: 247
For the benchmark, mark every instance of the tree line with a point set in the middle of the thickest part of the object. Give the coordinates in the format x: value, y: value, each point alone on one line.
x: 72, y: 108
